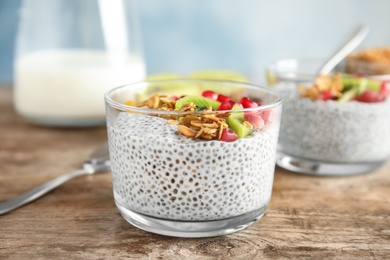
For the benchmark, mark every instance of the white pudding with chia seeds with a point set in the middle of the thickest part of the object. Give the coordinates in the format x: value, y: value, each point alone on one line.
x: 331, y: 131
x: 333, y: 124
x: 161, y: 173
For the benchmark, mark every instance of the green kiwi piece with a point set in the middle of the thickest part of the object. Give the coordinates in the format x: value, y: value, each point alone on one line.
x: 271, y: 78
x: 175, y: 88
x: 348, y: 95
x: 361, y: 84
x: 199, y: 101
x: 164, y: 76
x: 235, y: 122
x: 218, y: 75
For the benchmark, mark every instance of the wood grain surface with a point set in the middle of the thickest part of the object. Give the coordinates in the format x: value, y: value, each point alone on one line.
x: 308, y: 218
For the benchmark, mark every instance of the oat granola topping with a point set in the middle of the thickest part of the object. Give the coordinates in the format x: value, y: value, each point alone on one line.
x: 204, y: 126
x: 332, y: 83
x: 345, y: 88
x: 378, y: 54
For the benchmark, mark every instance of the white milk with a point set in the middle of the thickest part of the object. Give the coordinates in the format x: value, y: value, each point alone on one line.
x: 67, y: 87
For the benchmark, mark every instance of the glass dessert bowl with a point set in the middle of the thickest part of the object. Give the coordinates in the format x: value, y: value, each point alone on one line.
x: 192, y: 158
x: 332, y: 124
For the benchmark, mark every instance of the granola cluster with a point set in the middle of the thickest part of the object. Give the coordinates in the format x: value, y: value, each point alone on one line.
x: 207, y: 126
x: 325, y: 83
x: 381, y: 55
x: 158, y: 101
x: 372, y: 61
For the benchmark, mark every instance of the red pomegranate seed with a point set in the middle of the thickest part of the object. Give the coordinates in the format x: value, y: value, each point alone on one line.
x: 232, y: 103
x: 247, y: 103
x: 225, y: 106
x: 266, y: 115
x: 326, y: 95
x: 223, y: 98
x: 210, y: 94
x: 228, y: 135
x: 370, y: 96
x: 385, y: 88
x: 255, y: 119
x: 222, y: 115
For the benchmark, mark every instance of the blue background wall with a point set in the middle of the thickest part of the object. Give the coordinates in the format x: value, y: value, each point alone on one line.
x: 243, y: 35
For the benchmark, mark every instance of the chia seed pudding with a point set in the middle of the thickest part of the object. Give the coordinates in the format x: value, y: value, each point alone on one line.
x: 160, y: 173
x: 334, y: 132
x: 196, y: 165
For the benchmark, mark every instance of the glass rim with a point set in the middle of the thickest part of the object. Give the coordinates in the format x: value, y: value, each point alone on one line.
x: 290, y: 74
x: 273, y: 66
x: 120, y: 106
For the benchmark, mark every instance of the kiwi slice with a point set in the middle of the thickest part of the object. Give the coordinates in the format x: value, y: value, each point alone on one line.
x: 218, y: 75
x: 355, y: 87
x: 164, y: 76
x: 199, y: 101
x: 236, y: 122
x: 361, y: 84
x: 271, y: 78
x: 348, y: 95
x: 173, y: 89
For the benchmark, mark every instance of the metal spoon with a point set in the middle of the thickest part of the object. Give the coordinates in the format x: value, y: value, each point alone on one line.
x: 353, y: 41
x: 97, y: 162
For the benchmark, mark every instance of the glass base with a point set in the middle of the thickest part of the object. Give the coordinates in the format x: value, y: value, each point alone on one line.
x: 190, y: 229
x: 313, y: 167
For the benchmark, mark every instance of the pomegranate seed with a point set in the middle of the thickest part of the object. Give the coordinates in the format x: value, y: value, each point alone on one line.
x: 225, y: 106
x: 266, y: 115
x: 232, y: 103
x: 370, y: 96
x: 210, y: 94
x: 222, y: 115
x: 175, y: 98
x: 228, y: 135
x: 385, y: 88
x: 255, y: 119
x: 326, y: 95
x: 247, y: 103
x: 223, y: 98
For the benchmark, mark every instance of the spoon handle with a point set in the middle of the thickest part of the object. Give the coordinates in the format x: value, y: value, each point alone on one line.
x: 355, y: 39
x: 39, y: 191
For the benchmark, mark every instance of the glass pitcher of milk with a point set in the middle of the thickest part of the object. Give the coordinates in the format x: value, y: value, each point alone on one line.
x: 69, y: 53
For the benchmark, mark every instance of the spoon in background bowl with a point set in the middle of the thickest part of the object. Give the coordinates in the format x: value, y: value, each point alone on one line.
x: 353, y: 41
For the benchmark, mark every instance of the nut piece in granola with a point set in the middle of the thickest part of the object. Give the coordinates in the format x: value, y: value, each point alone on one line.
x: 206, y: 126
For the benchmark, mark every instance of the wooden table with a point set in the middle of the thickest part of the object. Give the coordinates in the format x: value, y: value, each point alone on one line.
x: 308, y: 217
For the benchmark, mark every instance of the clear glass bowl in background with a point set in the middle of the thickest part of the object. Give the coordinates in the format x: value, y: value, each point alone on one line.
x: 172, y: 185
x: 326, y: 137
